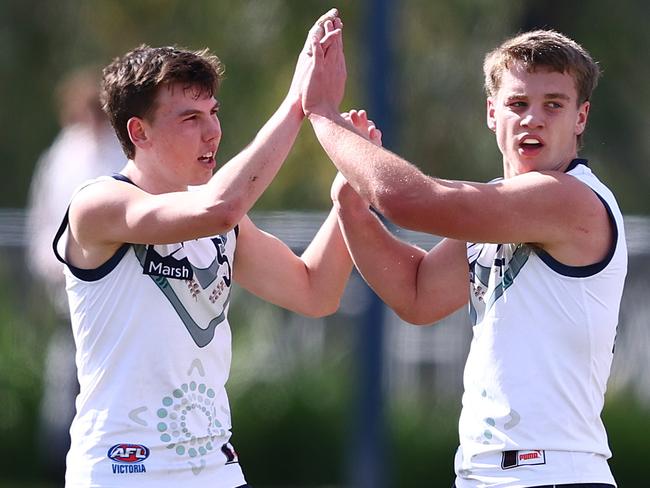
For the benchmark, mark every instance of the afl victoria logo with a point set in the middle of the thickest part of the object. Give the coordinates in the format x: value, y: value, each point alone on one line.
x: 128, y: 453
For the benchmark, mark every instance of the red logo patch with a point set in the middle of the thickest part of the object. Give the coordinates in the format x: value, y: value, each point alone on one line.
x: 128, y: 453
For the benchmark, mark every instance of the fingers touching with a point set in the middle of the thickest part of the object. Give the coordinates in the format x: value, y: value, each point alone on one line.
x: 326, y: 29
x: 359, y: 120
x: 333, y: 33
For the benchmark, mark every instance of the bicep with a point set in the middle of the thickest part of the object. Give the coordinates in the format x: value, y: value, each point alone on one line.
x: 115, y: 212
x: 267, y: 267
x: 442, y: 283
x: 543, y: 208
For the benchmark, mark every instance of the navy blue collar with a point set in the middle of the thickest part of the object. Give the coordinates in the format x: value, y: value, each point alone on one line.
x: 121, y: 177
x: 575, y: 163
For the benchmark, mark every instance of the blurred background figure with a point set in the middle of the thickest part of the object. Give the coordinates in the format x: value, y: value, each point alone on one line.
x: 86, y: 147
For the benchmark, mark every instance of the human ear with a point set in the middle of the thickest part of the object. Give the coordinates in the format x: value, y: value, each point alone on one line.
x: 491, y: 119
x: 581, y: 119
x: 137, y: 130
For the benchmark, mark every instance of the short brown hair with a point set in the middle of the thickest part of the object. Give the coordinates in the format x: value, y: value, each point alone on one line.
x: 131, y: 82
x: 543, y: 48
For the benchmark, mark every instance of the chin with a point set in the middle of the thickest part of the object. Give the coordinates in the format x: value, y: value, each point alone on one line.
x: 532, y: 163
x: 201, y: 180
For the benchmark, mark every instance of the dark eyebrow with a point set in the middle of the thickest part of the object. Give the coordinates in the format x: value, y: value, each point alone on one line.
x: 516, y: 96
x: 193, y: 111
x: 561, y: 96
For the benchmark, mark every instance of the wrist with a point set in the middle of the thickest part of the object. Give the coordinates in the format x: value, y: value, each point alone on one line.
x: 293, y: 106
x: 322, y: 112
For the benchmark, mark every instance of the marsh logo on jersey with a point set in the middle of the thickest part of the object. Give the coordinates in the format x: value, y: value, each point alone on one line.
x: 195, y: 277
x: 128, y: 458
x: 167, y: 266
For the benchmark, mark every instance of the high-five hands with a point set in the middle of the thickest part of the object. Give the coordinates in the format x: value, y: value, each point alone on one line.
x: 325, y: 33
x: 325, y: 84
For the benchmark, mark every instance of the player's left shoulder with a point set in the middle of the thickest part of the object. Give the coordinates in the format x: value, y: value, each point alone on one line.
x: 586, y: 224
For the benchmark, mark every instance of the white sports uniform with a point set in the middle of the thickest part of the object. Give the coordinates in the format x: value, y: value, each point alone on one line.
x: 153, y: 356
x: 539, y: 361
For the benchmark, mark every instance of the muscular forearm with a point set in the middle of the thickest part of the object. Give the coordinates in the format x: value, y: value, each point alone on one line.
x: 389, y: 265
x: 382, y: 178
x: 328, y: 263
x: 241, y: 181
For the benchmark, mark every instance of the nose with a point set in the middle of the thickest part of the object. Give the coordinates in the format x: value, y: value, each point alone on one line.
x: 532, y: 119
x: 212, y: 129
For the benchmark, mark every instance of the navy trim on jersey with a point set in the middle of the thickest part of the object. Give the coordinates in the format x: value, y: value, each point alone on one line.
x: 583, y: 271
x: 121, y: 177
x: 87, y: 274
x: 57, y: 236
x: 574, y: 163
x: 103, y: 269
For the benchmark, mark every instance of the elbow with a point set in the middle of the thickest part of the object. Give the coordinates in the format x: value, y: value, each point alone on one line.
x: 407, y: 203
x: 394, y: 206
x: 321, y: 309
x: 224, y: 216
x: 420, y: 316
x: 413, y: 318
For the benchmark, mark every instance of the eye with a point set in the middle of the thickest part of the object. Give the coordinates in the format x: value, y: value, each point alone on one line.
x: 554, y: 105
x: 189, y: 118
x: 517, y: 104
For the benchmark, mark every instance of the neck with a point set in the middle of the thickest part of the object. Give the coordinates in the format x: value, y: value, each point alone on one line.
x: 149, y: 178
x: 511, y: 170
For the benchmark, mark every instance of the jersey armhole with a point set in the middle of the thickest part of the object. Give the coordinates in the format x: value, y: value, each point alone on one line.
x: 103, y: 269
x: 590, y: 269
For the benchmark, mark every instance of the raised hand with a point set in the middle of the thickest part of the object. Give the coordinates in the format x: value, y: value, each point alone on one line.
x: 324, y: 86
x: 322, y: 34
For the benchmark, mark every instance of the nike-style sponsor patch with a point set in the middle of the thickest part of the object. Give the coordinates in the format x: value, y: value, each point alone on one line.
x: 513, y: 459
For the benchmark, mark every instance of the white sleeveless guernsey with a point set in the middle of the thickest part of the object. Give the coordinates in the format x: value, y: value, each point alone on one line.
x: 153, y: 356
x: 540, y: 357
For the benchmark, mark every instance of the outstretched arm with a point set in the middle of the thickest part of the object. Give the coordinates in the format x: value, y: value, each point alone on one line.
x: 531, y: 207
x: 243, y: 179
x: 421, y: 287
x: 107, y: 214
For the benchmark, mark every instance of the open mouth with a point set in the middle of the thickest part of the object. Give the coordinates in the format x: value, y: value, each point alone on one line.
x: 207, y: 157
x: 531, y: 144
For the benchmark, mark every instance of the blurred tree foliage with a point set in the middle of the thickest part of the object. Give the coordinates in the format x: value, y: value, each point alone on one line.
x: 440, y: 48
x: 437, y: 81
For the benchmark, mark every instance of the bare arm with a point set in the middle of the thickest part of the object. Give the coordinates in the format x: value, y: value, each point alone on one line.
x: 531, y: 207
x: 421, y: 287
x: 107, y: 214
x: 311, y: 284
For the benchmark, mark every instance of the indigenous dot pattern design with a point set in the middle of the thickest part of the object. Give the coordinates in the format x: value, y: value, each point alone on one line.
x: 487, y: 436
x: 187, y: 422
x: 174, y: 420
